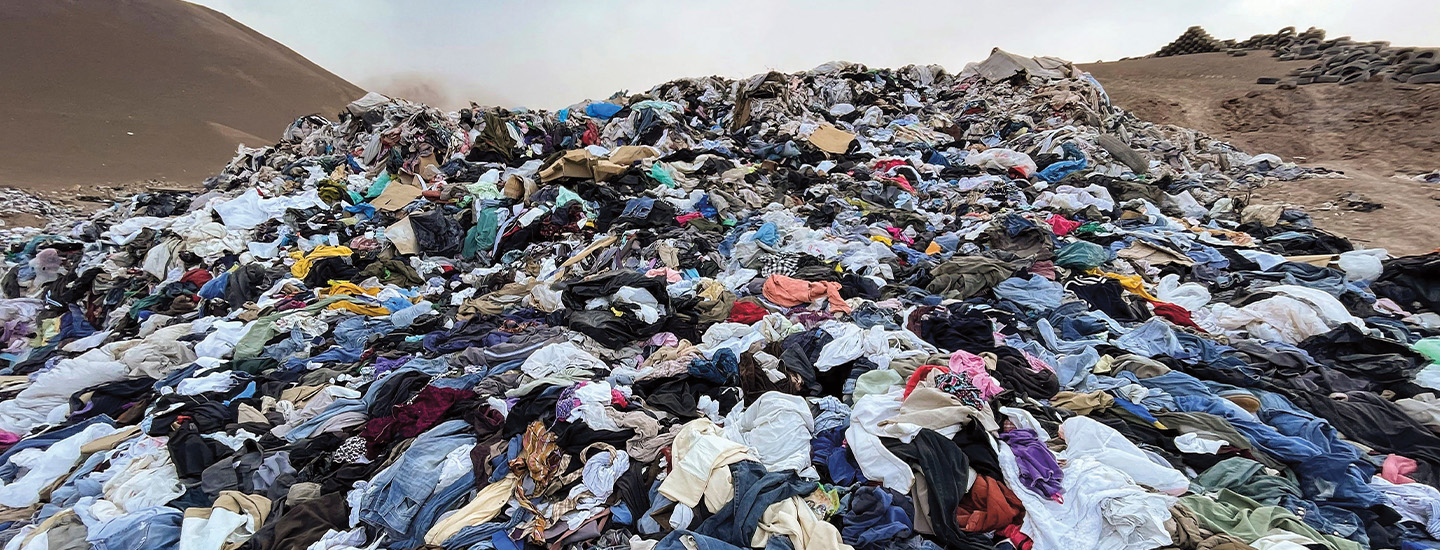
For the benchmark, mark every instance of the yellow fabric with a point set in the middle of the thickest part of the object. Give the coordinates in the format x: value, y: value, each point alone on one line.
x: 363, y: 309
x: 345, y: 288
x: 488, y: 503
x: 794, y: 519
x: 304, y: 261
x: 934, y: 248
x: 702, y: 457
x: 1133, y: 283
x: 48, y: 329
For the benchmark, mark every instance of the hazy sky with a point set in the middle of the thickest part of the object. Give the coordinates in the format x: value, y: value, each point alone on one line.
x: 518, y: 53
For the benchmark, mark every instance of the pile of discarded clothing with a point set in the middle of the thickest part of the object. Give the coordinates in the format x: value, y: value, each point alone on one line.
x: 848, y: 308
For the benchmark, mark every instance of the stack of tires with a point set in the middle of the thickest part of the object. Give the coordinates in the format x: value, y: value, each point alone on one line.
x: 1193, y: 40
x: 1345, y: 61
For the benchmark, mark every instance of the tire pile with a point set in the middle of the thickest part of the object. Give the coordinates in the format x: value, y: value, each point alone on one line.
x: 1338, y: 60
x: 1346, y: 62
x: 1193, y: 40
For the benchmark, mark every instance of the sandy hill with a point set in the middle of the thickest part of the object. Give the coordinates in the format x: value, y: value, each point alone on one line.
x: 1370, y: 130
x: 119, y: 91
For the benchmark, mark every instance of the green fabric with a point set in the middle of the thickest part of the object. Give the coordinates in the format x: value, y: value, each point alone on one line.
x: 1429, y: 347
x: 876, y: 382
x: 253, y: 342
x: 1234, y: 514
x: 1081, y: 255
x: 658, y: 172
x: 484, y: 190
x: 378, y: 187
x: 968, y: 276
x: 566, y: 196
x: 255, y: 366
x: 496, y: 137
x: 1210, y: 426
x: 702, y: 224
x: 393, y: 272
x: 332, y: 192
x: 1248, y: 478
x: 482, y: 235
x: 146, y: 303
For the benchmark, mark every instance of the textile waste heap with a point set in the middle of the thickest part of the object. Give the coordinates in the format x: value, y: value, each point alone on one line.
x: 845, y: 308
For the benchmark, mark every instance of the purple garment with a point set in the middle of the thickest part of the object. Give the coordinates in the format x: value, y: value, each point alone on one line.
x: 1038, y: 470
x: 384, y: 365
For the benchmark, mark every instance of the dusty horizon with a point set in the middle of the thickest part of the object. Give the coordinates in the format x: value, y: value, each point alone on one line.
x: 576, y: 50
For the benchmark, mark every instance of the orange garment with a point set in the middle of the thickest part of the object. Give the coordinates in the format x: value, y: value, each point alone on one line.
x: 791, y: 292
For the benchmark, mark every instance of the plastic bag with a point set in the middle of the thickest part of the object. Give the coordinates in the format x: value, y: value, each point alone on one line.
x: 1002, y: 159
x: 1362, y: 265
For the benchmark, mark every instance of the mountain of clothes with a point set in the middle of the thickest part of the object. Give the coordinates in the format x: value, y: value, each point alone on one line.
x: 847, y: 308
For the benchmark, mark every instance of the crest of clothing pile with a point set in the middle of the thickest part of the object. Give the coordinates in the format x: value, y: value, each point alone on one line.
x: 840, y: 309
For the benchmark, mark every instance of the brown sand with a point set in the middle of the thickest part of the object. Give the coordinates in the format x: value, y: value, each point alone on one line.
x: 96, y: 92
x: 1369, y: 130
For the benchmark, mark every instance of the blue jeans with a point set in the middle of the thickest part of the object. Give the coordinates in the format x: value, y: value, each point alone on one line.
x: 443, y: 501
x: 397, y: 493
x: 151, y: 528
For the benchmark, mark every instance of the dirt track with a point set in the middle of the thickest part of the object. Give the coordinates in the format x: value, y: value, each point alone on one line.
x: 1371, y: 131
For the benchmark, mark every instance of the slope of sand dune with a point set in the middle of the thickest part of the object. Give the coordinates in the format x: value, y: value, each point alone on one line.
x: 96, y: 92
x: 1372, y: 131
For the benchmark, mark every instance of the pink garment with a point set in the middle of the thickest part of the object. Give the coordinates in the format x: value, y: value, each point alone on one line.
x: 683, y: 218
x: 891, y: 303
x: 790, y: 292
x: 7, y: 439
x: 664, y: 340
x: 974, y: 367
x: 1044, y: 268
x: 899, y: 235
x: 1036, y: 363
x: 1395, y: 468
x: 671, y: 276
x: 1062, y: 226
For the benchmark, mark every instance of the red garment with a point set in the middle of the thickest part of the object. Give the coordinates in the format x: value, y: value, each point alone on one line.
x: 1395, y: 468
x: 684, y: 218
x: 1021, y: 542
x: 887, y: 165
x: 919, y: 375
x: 406, y: 421
x: 790, y: 292
x: 988, y: 506
x: 591, y: 135
x: 1062, y: 226
x: 198, y: 277
x: 903, y: 182
x: 1175, y: 314
x: 746, y: 312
